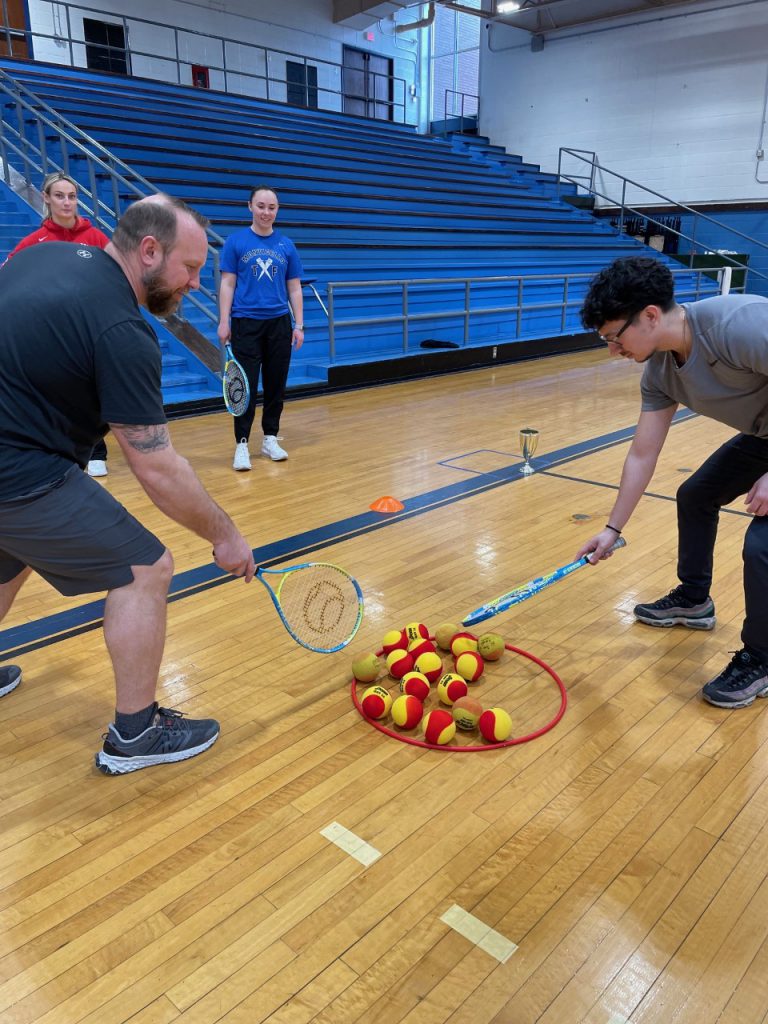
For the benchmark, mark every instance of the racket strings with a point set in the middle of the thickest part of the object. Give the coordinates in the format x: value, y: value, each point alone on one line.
x: 236, y: 391
x: 321, y: 605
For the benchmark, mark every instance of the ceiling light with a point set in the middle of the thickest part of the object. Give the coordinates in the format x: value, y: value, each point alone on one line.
x: 507, y: 6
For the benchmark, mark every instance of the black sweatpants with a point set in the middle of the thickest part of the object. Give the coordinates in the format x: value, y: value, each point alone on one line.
x: 727, y: 473
x: 99, y: 452
x: 262, y: 347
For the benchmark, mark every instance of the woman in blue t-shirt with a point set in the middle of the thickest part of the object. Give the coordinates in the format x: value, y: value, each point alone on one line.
x: 260, y: 284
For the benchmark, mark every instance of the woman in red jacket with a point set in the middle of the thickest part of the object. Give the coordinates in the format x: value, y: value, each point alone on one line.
x: 62, y: 224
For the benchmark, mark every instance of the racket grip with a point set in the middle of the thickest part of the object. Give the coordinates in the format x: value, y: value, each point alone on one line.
x: 618, y: 543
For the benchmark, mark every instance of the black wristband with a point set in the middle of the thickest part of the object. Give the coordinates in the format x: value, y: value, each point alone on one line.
x: 609, y: 527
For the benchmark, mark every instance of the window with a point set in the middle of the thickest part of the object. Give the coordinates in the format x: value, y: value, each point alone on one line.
x: 302, y: 84
x: 105, y: 48
x: 455, y: 63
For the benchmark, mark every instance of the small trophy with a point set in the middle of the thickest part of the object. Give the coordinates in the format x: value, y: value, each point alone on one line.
x: 529, y: 440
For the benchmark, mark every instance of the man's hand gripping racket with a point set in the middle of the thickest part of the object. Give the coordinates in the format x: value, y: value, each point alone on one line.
x: 522, y: 593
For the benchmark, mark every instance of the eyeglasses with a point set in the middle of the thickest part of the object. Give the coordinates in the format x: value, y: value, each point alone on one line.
x: 618, y: 334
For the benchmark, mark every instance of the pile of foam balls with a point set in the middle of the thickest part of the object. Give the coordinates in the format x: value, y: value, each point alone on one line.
x: 410, y: 657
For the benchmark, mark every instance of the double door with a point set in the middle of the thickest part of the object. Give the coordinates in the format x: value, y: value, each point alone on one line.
x: 367, y: 84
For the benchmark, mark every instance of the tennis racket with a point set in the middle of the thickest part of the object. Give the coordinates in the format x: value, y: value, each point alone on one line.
x: 505, y: 601
x: 319, y: 604
x: 237, y: 391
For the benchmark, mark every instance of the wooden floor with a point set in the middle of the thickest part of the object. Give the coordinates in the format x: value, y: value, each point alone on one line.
x: 624, y: 853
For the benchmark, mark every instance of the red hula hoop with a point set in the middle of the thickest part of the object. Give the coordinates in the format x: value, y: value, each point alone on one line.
x: 467, y: 748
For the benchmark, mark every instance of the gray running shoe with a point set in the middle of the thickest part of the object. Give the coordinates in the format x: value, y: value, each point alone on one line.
x: 171, y: 737
x: 677, y: 610
x: 741, y: 681
x: 10, y: 677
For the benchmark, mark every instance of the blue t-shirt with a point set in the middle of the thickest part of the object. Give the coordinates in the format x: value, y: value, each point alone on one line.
x: 263, y: 265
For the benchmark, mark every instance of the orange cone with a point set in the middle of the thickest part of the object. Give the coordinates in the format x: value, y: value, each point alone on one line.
x: 387, y: 504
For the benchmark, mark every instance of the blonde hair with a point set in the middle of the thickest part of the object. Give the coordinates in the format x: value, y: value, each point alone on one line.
x: 52, y: 179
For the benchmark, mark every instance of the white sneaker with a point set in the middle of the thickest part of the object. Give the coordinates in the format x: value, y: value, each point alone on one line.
x: 97, y: 467
x: 242, y: 458
x: 272, y: 449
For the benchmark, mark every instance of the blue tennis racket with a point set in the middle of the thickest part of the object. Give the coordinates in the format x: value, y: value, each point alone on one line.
x: 319, y: 604
x: 505, y: 601
x: 237, y: 391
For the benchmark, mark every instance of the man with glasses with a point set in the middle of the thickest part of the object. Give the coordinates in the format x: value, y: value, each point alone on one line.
x: 711, y: 356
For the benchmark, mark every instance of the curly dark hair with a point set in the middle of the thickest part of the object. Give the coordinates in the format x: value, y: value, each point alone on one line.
x: 625, y: 287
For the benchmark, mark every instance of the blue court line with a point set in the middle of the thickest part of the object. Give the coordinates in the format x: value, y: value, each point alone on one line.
x: 30, y: 636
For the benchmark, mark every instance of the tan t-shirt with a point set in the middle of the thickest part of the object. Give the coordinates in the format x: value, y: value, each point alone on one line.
x: 725, y: 376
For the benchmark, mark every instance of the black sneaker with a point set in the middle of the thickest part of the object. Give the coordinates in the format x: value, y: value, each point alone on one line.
x: 10, y: 677
x: 171, y: 737
x: 677, y: 610
x: 741, y: 681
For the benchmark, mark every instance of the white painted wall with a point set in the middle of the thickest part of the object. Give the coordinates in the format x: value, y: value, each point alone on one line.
x: 676, y: 104
x: 235, y: 34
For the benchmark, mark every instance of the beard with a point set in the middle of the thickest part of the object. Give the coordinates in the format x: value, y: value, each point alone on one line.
x: 160, y: 299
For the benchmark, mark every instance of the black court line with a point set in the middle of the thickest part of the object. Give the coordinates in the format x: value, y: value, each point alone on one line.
x: 646, y: 494
x: 31, y: 636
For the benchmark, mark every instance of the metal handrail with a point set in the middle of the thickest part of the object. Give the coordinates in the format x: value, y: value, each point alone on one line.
x: 590, y: 157
x: 518, y: 281
x: 462, y: 117
x: 131, y: 53
x: 74, y: 142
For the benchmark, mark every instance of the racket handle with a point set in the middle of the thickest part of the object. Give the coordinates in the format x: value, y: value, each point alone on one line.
x: 619, y: 543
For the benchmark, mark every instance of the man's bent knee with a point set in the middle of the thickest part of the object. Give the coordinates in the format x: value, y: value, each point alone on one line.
x: 156, y: 576
x: 160, y: 571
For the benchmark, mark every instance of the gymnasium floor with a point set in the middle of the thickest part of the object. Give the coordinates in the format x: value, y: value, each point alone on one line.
x: 614, y: 868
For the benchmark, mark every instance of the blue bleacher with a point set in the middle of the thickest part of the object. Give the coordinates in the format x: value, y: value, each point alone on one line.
x: 363, y: 200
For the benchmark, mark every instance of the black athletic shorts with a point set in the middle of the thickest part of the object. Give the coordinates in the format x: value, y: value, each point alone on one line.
x: 76, y: 536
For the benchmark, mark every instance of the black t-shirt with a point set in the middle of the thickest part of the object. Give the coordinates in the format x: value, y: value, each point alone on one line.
x: 75, y: 355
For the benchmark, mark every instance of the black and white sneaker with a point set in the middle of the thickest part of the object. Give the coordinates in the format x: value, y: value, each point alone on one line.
x: 171, y: 737
x: 10, y: 677
x: 677, y: 610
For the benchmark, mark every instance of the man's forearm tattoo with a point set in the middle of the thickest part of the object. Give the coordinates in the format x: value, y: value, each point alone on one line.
x: 151, y: 438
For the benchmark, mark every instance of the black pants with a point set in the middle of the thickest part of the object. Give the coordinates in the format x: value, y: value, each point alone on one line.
x: 727, y: 473
x: 262, y: 346
x: 99, y: 452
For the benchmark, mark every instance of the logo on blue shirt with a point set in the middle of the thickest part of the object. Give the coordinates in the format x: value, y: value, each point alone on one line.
x: 264, y: 268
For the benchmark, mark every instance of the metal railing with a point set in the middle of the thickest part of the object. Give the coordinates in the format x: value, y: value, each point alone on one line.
x: 169, y: 54
x: 59, y: 145
x: 463, y: 105
x: 589, y: 182
x: 516, y: 310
